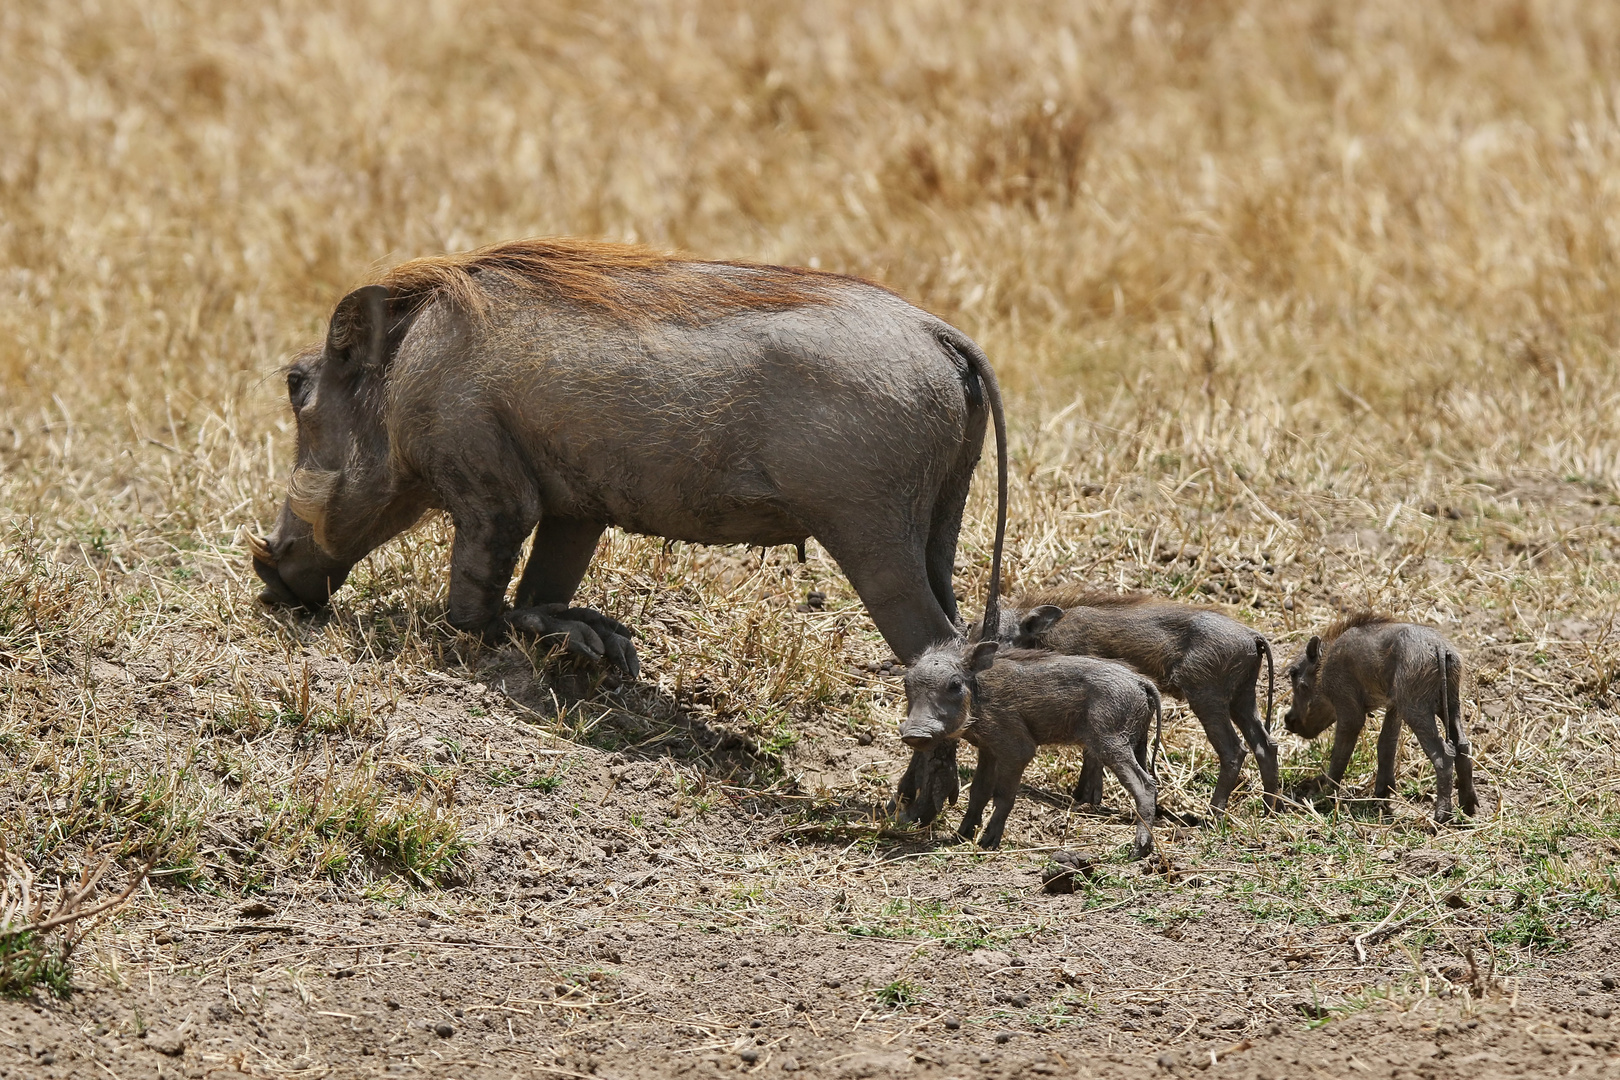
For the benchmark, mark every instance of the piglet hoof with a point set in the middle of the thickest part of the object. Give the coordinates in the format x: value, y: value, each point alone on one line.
x: 585, y: 633
x: 1141, y: 850
x: 989, y: 843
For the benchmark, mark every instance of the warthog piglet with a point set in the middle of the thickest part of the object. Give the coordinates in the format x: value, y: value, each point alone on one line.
x: 1369, y: 661
x: 1208, y: 659
x: 1008, y: 704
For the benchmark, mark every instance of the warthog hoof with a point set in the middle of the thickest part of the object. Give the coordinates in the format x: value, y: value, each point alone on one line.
x: 930, y: 781
x: 586, y: 633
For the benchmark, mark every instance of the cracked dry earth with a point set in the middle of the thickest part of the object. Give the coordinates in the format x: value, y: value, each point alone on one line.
x: 620, y: 922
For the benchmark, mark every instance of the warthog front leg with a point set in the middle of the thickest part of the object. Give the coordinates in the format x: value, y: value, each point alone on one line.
x: 585, y: 633
x: 1389, y: 745
x: 1009, y: 771
x: 1348, y: 722
x: 984, y: 775
x: 562, y: 552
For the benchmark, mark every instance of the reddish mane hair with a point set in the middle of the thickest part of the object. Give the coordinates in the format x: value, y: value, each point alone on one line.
x: 1072, y: 596
x: 625, y: 280
x: 1353, y: 620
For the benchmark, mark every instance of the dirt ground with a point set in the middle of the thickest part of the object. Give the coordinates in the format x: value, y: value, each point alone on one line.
x: 648, y: 891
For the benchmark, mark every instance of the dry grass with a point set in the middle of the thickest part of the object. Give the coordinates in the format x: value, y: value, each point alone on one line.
x: 1301, y: 306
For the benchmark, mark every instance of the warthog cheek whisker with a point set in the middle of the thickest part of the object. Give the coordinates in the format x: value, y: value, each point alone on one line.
x: 309, y: 492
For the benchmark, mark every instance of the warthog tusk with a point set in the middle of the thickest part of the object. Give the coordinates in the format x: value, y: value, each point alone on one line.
x: 260, y: 549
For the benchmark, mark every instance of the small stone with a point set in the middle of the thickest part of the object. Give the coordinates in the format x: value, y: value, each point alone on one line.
x: 951, y: 1021
x: 1608, y: 982
x: 47, y: 1058
x: 1228, y: 1021
x: 873, y: 666
x: 1003, y: 1037
x: 863, y: 739
x: 167, y: 1043
x: 1602, y: 1012
x: 443, y: 1030
x: 790, y: 1064
x: 1168, y: 1061
x: 256, y: 909
x: 749, y: 1055
x: 343, y: 973
x: 832, y: 984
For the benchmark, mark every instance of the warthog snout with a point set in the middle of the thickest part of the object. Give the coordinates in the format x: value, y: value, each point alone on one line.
x: 920, y: 730
x: 294, y: 570
x: 920, y: 740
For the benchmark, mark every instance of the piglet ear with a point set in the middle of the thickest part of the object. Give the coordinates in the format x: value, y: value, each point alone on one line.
x: 359, y: 331
x: 983, y: 655
x: 1039, y: 620
x: 1313, y: 649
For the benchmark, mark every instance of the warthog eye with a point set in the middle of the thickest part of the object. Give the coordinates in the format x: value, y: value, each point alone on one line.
x: 297, y: 388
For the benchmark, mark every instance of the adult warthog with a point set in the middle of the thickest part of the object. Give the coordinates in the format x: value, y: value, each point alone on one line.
x: 560, y: 386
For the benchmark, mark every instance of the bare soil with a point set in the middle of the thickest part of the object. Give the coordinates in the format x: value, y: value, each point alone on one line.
x: 649, y: 892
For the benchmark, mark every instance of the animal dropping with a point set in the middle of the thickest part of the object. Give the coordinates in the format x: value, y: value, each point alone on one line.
x: 557, y: 387
x: 1207, y: 659
x: 1008, y: 703
x: 1369, y: 661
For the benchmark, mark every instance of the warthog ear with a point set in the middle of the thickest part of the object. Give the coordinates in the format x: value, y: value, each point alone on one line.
x: 1040, y: 619
x: 1313, y: 649
x: 983, y: 655
x: 359, y: 330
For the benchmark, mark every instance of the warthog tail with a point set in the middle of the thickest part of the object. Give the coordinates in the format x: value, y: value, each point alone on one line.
x: 979, y: 365
x: 1450, y: 711
x: 1263, y: 647
x: 1158, y: 726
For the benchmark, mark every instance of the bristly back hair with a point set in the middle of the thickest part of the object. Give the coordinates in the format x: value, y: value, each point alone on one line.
x: 628, y: 281
x: 1364, y: 617
x: 1023, y: 656
x: 1074, y: 596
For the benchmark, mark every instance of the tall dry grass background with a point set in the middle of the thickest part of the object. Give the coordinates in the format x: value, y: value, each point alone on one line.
x: 1317, y: 287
